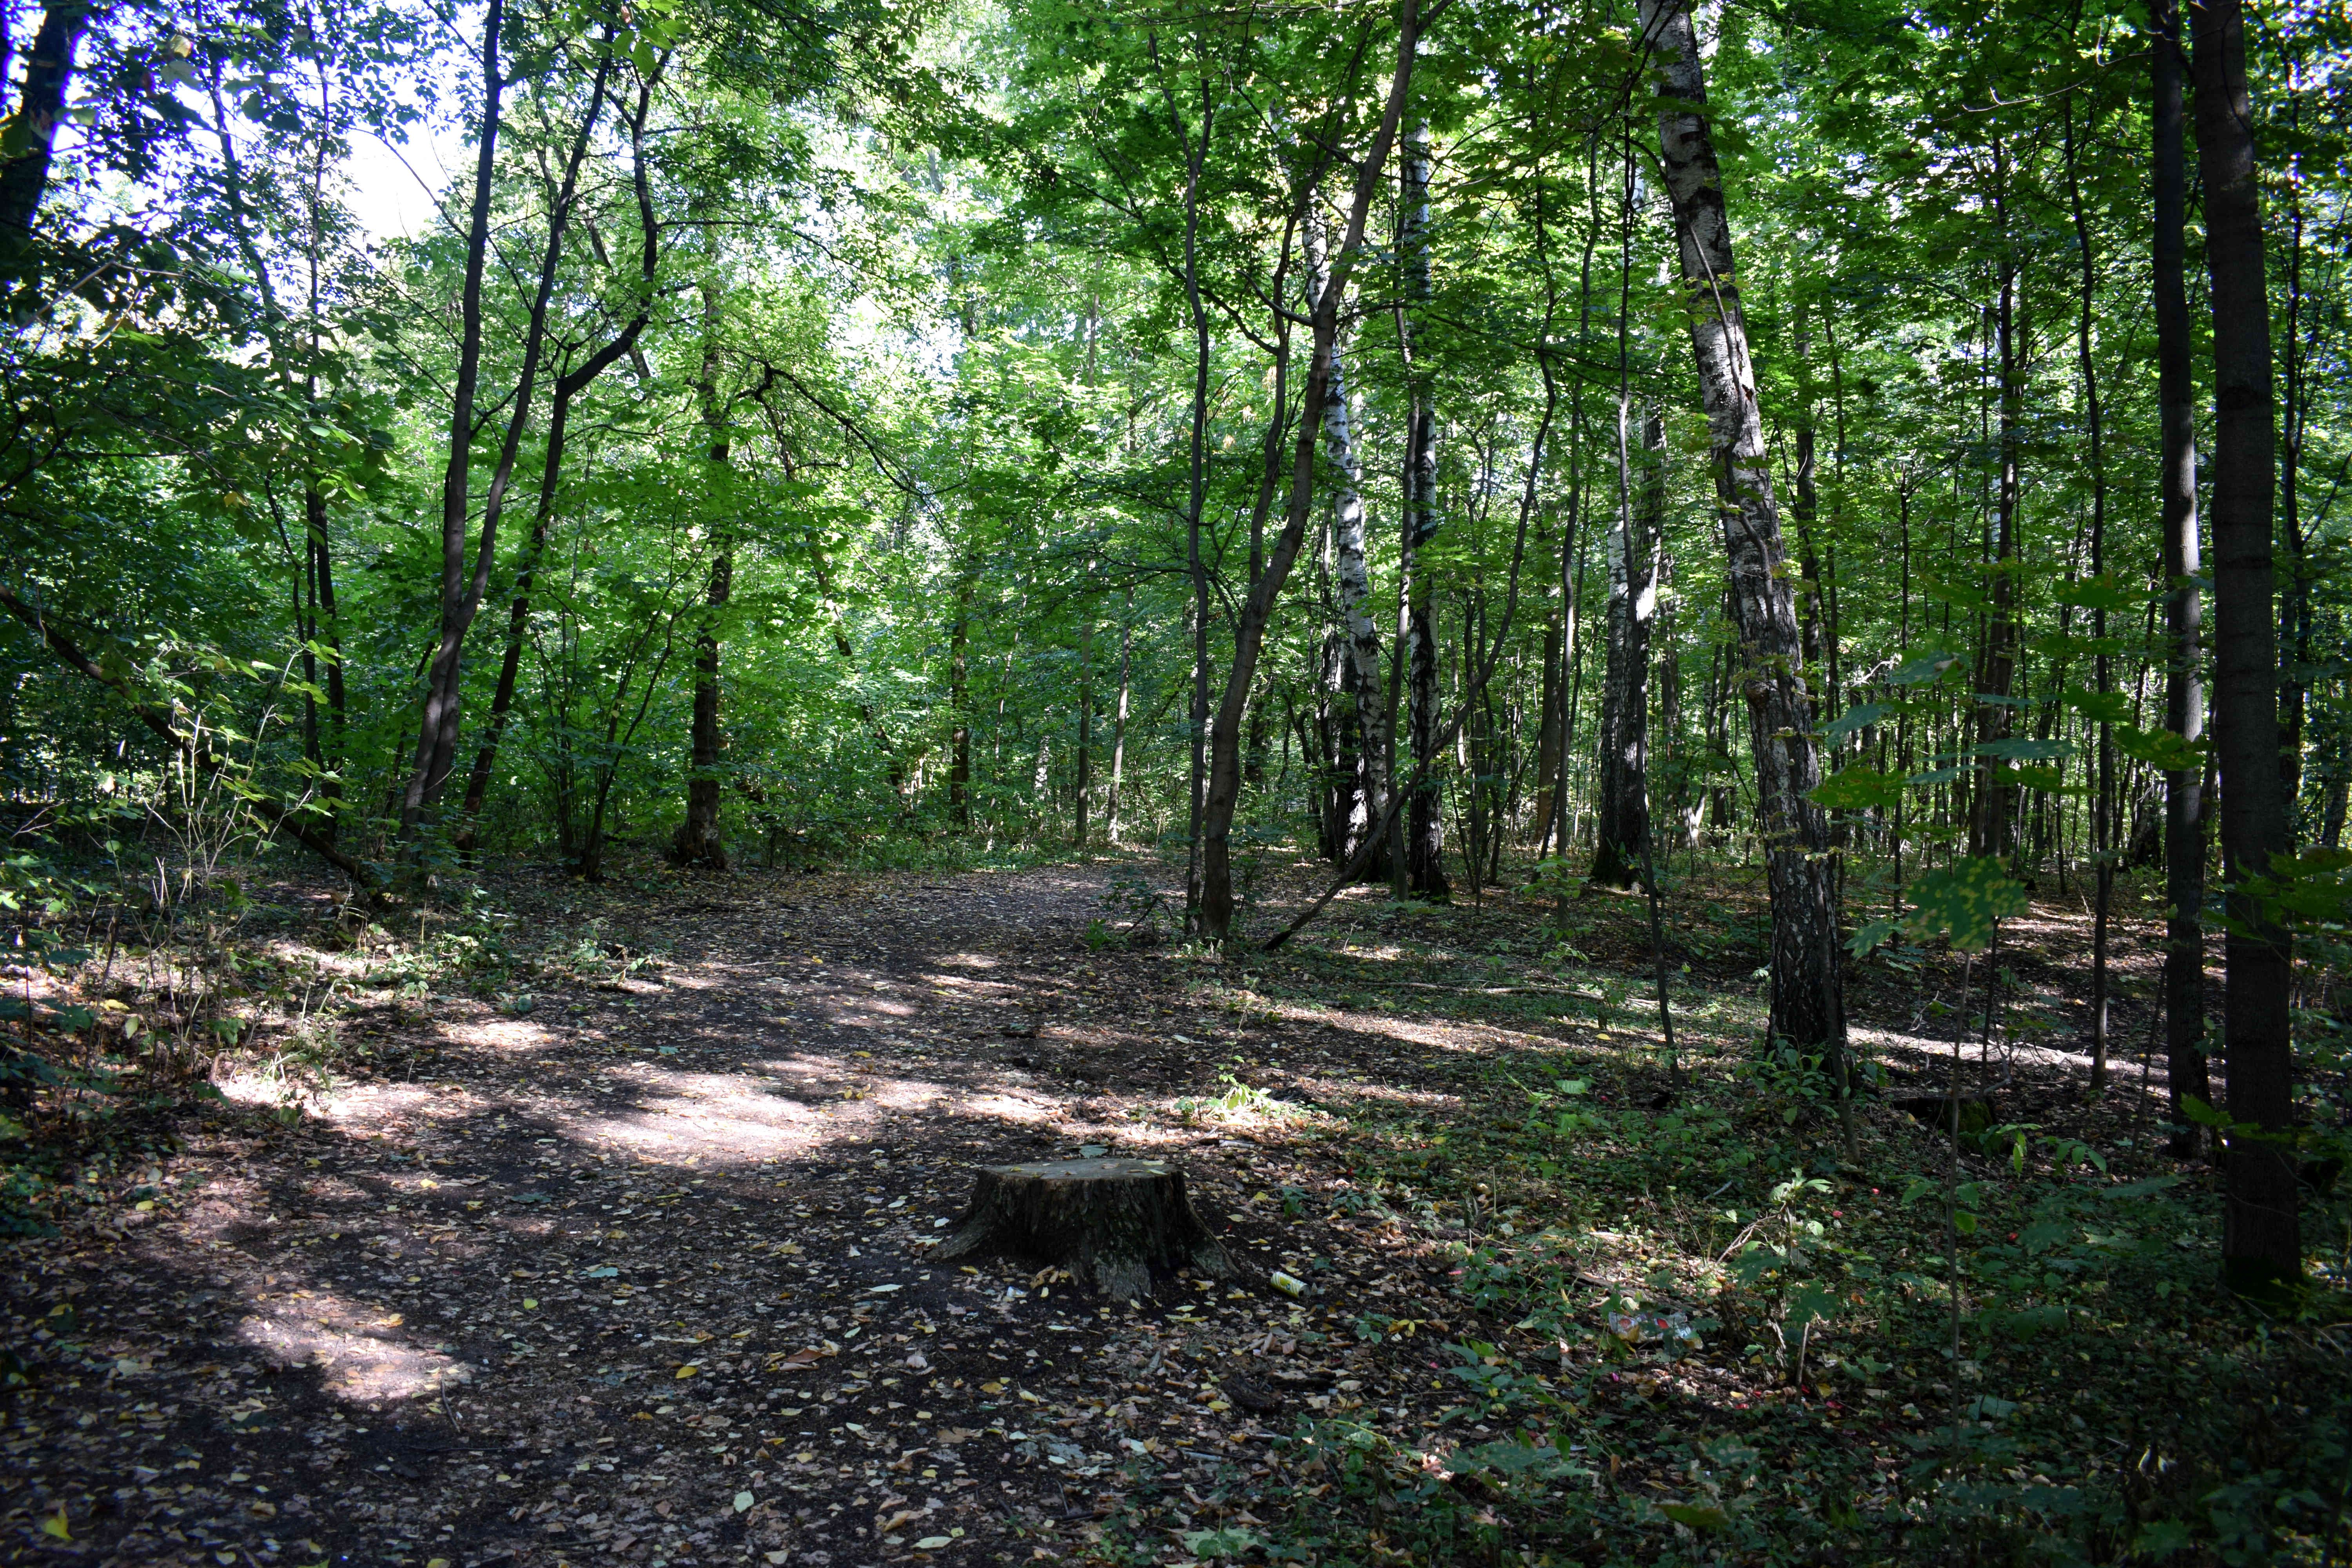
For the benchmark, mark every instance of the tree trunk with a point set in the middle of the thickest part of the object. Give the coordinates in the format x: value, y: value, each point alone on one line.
x: 1086, y: 734
x: 2261, y: 1243
x: 1118, y: 733
x: 1621, y: 815
x: 2102, y: 786
x: 2187, y: 802
x: 1548, y: 747
x: 1991, y: 828
x: 1571, y: 537
x: 1358, y: 711
x: 461, y: 591
x: 25, y: 177
x: 959, y: 706
x: 328, y: 629
x: 1808, y: 998
x: 1214, y: 840
x: 697, y: 841
x: 1424, y: 824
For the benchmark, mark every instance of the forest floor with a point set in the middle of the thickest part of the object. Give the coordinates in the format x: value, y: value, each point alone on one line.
x: 621, y: 1254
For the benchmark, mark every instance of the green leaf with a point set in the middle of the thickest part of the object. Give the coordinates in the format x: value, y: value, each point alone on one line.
x: 1865, y: 941
x: 1857, y: 788
x: 1208, y: 1544
x: 2100, y: 707
x: 2161, y: 749
x: 2147, y: 1184
x: 2024, y: 749
x: 1856, y: 718
x: 1809, y: 1303
x: 1697, y: 1516
x: 2105, y: 593
x: 1923, y: 668
x: 1967, y: 901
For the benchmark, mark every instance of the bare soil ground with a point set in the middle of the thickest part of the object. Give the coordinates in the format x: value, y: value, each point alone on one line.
x: 636, y: 1270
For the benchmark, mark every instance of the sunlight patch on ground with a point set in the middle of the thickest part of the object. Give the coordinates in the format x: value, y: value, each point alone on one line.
x: 356, y: 1348
x: 499, y: 1035
x: 703, y: 1114
x: 1328, y: 1088
x: 1012, y: 1107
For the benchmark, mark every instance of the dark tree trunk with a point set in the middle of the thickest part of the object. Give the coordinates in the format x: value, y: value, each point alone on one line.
x: 959, y: 706
x: 697, y: 841
x: 1086, y: 783
x: 568, y: 388
x: 25, y: 178
x: 1808, y: 1005
x: 1621, y: 815
x: 2102, y: 786
x: 1991, y: 830
x: 1213, y: 842
x: 2260, y: 1242
x: 462, y: 591
x: 327, y: 628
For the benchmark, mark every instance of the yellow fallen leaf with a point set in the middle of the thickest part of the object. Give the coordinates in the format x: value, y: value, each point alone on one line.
x: 530, y: 1303
x: 991, y: 1387
x: 688, y: 1370
x: 1031, y: 1397
x: 57, y: 1526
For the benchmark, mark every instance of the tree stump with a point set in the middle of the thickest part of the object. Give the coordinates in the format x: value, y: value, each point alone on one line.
x: 1112, y: 1223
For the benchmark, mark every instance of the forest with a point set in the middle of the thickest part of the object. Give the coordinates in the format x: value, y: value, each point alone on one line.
x: 1638, y: 708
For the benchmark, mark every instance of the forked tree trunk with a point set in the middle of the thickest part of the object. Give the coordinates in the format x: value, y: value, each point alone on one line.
x: 1213, y: 842
x: 1808, y: 995
x: 1114, y: 1224
x: 2261, y: 1238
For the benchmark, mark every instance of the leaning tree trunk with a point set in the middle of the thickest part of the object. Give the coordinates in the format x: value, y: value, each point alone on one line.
x: 1113, y: 1223
x: 2184, y: 690
x: 2260, y: 1242
x: 1424, y: 825
x: 1622, y: 817
x: 1808, y: 997
x: 1215, y: 912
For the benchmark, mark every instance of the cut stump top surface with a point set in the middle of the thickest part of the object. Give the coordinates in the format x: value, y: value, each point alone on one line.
x: 1083, y: 1170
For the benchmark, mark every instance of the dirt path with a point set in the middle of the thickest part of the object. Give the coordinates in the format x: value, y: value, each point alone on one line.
x: 638, y: 1273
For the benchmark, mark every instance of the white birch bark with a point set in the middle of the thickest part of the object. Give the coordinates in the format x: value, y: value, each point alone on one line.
x: 1808, y: 995
x: 1352, y: 580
